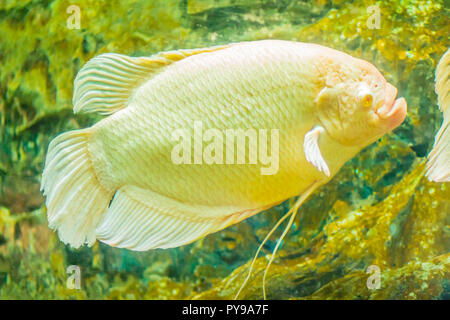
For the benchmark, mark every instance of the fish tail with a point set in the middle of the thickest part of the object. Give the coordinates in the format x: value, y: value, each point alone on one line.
x: 75, y: 200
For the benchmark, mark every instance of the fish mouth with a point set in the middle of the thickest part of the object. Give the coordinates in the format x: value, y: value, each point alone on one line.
x: 393, y: 111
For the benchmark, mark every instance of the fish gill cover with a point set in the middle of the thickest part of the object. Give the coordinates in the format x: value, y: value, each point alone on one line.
x: 378, y: 212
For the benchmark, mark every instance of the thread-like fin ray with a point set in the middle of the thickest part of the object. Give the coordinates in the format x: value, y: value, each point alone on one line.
x: 291, y: 213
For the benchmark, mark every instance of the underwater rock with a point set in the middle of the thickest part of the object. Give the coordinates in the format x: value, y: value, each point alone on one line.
x: 416, y: 280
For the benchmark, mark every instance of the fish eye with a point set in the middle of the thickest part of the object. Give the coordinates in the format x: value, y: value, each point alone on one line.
x: 367, y: 100
x: 365, y: 95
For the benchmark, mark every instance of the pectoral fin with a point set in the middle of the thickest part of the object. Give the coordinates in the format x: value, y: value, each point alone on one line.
x: 312, y: 150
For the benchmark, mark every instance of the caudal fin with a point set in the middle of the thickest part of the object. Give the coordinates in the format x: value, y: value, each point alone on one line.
x: 75, y: 199
x: 438, y: 165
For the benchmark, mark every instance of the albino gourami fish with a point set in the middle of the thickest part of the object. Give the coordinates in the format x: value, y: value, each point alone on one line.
x: 438, y: 165
x: 197, y: 140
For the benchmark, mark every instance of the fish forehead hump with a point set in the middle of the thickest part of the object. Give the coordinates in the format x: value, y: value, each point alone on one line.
x: 268, y: 85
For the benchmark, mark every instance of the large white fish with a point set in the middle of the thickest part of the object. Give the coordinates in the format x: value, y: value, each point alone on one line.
x: 117, y: 182
x: 438, y: 165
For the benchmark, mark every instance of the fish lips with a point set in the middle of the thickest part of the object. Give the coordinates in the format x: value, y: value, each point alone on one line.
x: 393, y: 111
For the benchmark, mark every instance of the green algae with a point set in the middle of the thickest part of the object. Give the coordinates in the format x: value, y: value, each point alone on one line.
x: 379, y: 210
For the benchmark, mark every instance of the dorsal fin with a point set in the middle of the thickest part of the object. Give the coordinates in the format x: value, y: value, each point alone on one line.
x: 106, y: 82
